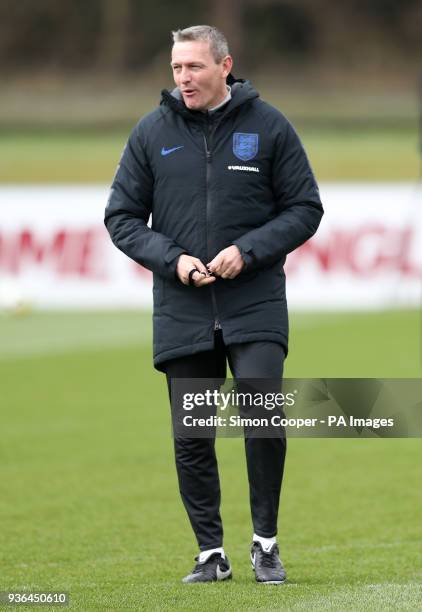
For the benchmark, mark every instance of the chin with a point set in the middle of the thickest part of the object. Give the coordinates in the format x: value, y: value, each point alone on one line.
x: 192, y: 105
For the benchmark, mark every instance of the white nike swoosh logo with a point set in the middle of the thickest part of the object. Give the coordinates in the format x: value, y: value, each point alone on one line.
x: 253, y: 557
x: 221, y: 575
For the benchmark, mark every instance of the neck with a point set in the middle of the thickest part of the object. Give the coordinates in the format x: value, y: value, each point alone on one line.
x: 223, y: 99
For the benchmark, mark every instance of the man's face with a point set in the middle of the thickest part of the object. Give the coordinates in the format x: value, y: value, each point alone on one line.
x: 200, y: 79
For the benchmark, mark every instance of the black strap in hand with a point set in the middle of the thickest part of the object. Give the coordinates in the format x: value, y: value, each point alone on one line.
x: 190, y: 277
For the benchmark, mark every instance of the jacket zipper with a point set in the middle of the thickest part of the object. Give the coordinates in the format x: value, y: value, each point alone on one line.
x: 213, y: 298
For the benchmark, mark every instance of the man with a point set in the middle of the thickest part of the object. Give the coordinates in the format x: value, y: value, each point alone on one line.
x: 231, y: 193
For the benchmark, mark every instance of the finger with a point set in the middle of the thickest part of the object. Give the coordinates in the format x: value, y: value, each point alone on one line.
x: 218, y: 268
x: 196, y: 276
x: 185, y: 276
x: 205, y: 280
x: 214, y: 264
x: 229, y: 272
x: 233, y: 271
x: 224, y: 269
x: 189, y: 275
x: 201, y: 267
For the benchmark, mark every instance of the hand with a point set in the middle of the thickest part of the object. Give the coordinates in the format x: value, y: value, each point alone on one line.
x: 201, y: 277
x: 228, y: 263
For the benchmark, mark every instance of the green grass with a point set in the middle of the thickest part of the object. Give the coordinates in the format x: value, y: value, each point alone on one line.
x: 89, y: 500
x: 384, y: 154
x: 60, y: 157
x: 363, y: 155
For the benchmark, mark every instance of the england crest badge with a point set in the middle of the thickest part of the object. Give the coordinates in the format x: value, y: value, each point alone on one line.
x: 245, y: 146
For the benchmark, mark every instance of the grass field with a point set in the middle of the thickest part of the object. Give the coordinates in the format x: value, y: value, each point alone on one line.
x: 89, y: 501
x: 359, y: 153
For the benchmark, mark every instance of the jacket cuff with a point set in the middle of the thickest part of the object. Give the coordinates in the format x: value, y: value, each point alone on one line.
x: 171, y: 258
x: 246, y: 253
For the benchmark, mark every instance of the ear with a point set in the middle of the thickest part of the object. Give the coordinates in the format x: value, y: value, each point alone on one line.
x: 227, y: 63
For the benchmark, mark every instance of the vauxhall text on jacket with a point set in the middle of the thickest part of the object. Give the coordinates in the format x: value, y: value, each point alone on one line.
x: 237, y: 176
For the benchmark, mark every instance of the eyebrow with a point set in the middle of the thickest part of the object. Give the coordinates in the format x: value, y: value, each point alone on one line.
x: 173, y: 64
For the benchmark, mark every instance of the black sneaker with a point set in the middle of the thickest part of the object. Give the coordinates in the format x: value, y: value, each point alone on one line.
x: 213, y: 569
x: 267, y: 564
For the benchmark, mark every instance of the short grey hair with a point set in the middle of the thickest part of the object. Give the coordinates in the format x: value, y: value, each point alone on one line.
x: 216, y: 39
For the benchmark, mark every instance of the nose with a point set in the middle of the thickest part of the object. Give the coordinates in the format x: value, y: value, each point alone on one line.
x: 185, y: 75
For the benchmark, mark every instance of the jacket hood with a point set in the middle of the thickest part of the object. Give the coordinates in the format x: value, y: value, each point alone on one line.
x: 241, y: 91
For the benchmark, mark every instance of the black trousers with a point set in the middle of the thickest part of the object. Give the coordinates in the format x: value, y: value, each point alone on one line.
x: 196, y: 461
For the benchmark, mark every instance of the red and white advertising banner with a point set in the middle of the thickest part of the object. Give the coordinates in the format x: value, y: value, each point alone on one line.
x: 56, y: 253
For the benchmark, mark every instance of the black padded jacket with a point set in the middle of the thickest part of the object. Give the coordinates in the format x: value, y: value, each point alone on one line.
x: 238, y: 175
